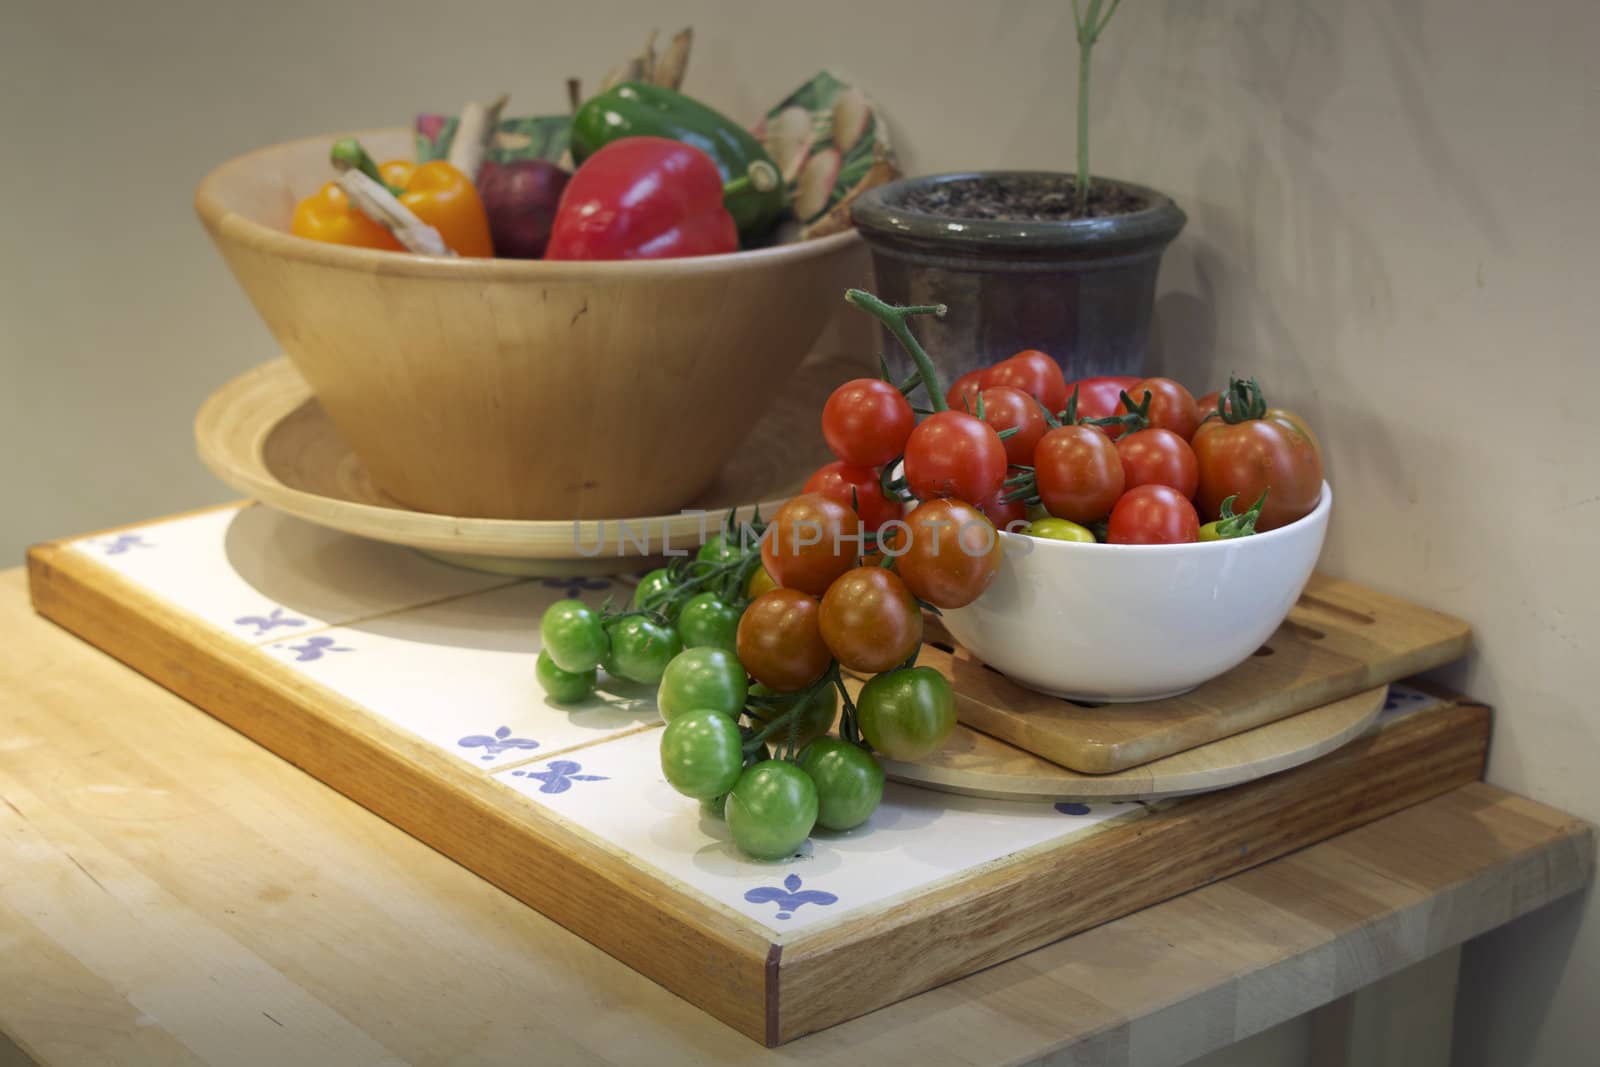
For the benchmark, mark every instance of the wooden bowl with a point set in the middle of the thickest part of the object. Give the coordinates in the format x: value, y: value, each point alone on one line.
x: 521, y: 388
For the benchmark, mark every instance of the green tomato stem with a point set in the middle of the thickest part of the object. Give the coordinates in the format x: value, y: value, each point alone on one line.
x: 894, y: 318
x: 1023, y: 485
x: 756, y: 740
x: 789, y: 719
x: 1070, y: 414
x: 1136, y: 417
x: 1230, y: 525
x: 849, y: 728
x: 728, y: 580
x: 1242, y: 401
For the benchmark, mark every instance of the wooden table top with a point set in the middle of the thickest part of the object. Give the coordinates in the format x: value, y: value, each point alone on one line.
x: 170, y: 892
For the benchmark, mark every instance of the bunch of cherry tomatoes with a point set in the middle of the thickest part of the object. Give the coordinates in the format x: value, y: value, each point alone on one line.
x: 1140, y: 461
x: 744, y: 671
x: 750, y: 641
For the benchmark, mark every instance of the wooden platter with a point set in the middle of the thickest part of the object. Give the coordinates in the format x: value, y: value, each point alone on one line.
x: 1340, y: 639
x: 770, y: 978
x: 265, y: 435
x: 975, y: 764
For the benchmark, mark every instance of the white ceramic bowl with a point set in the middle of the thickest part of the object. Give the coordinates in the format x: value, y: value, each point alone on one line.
x: 1109, y: 623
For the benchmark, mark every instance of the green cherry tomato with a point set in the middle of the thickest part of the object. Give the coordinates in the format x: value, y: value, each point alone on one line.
x: 849, y: 782
x: 656, y: 584
x: 817, y: 713
x: 564, y: 687
x: 700, y: 754
x: 706, y: 621
x: 716, y: 807
x: 771, y: 811
x: 720, y: 549
x: 571, y: 632
x: 907, y: 714
x: 1055, y: 529
x: 1208, y: 531
x: 702, y: 679
x: 641, y: 649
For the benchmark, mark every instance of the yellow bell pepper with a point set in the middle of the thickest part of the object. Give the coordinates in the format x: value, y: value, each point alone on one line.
x: 436, y: 192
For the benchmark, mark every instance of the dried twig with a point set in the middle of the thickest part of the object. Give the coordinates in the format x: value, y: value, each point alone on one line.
x: 381, y: 206
x: 474, y: 130
x: 674, y: 61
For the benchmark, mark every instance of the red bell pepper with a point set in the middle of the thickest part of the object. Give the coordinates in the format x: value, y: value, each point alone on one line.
x: 643, y: 198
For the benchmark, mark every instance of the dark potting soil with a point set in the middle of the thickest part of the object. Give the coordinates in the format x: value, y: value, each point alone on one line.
x: 1021, y: 200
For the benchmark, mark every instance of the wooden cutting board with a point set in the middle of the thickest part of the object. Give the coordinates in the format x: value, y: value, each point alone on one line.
x: 975, y: 764
x: 1339, y: 640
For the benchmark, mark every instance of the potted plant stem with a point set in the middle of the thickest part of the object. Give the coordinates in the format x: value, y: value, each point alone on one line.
x: 1061, y: 262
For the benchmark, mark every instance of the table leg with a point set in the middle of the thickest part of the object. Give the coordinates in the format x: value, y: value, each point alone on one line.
x: 1404, y: 1020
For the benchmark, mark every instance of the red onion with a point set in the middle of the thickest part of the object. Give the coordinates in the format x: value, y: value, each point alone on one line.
x: 520, y: 199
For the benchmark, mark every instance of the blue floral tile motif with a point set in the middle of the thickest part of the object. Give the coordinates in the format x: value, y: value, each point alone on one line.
x: 558, y: 776
x: 314, y: 648
x: 1072, y: 807
x: 502, y: 741
x: 790, y: 897
x: 268, y: 622
x: 577, y: 586
x: 1400, y: 698
x: 120, y: 544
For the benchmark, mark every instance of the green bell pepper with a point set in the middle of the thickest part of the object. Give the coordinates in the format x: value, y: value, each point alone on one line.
x: 753, y: 193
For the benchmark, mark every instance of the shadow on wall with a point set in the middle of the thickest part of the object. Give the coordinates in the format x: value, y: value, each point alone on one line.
x: 1270, y: 233
x: 1282, y: 268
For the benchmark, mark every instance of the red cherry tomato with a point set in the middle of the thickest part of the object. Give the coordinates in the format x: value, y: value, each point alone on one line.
x: 1171, y: 405
x: 1159, y: 457
x: 1005, y: 407
x: 1098, y: 397
x: 1004, y: 513
x: 780, y: 640
x: 949, y: 553
x: 866, y: 422
x: 811, y: 540
x: 839, y: 480
x: 955, y: 454
x: 869, y: 620
x: 963, y: 395
x: 1276, y: 450
x: 1079, y: 473
x: 1035, y: 373
x: 1153, y: 515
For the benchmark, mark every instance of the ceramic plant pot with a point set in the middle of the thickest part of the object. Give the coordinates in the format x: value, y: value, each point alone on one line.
x: 1079, y: 289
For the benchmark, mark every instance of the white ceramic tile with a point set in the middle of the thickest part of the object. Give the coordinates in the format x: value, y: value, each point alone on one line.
x: 916, y: 837
x: 460, y: 674
x: 261, y: 576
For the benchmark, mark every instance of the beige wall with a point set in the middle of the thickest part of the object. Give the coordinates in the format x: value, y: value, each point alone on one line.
x: 1392, y: 222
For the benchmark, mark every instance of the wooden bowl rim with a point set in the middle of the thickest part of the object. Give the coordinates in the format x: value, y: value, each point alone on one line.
x: 209, y: 205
